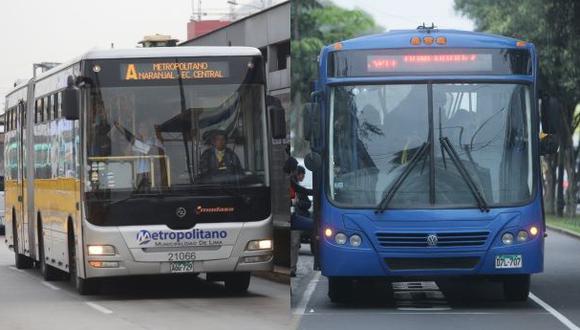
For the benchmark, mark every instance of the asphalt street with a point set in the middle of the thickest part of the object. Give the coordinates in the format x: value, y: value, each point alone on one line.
x: 447, y: 303
x: 28, y: 303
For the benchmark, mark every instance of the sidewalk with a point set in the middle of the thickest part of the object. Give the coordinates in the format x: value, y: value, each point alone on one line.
x: 563, y: 231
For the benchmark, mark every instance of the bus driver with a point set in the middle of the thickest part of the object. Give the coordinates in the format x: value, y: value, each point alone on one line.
x: 219, y: 158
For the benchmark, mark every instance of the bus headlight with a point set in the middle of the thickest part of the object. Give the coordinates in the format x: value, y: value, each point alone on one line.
x: 534, y: 230
x: 101, y: 250
x: 507, y: 238
x: 522, y: 236
x: 355, y: 240
x: 263, y: 244
x: 340, y: 239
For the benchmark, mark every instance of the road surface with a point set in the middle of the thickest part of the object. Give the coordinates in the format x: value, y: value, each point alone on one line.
x: 447, y: 304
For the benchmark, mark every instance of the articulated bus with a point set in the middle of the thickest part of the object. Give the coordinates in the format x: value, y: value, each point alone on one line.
x: 140, y: 162
x: 425, y: 151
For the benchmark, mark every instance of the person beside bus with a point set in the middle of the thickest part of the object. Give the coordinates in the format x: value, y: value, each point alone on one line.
x: 219, y: 158
x: 299, y: 197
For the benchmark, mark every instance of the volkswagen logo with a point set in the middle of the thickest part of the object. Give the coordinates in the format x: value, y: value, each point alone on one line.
x: 432, y: 240
x: 180, y: 212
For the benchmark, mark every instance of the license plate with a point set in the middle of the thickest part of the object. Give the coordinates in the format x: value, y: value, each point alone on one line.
x: 181, y: 267
x: 508, y: 261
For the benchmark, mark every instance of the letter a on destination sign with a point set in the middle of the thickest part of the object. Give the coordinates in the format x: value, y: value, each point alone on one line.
x: 131, y: 72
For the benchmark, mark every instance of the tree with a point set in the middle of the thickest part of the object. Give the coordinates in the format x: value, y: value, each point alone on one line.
x: 316, y: 24
x: 553, y: 26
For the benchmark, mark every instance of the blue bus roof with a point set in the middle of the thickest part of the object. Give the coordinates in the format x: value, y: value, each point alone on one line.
x: 455, y: 39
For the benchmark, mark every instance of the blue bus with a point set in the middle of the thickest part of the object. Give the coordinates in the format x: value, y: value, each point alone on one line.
x: 425, y: 150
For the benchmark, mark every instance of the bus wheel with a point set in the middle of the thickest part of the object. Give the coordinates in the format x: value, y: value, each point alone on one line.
x: 20, y: 261
x: 84, y: 286
x: 237, y: 282
x: 516, y: 288
x: 48, y: 272
x: 340, y: 289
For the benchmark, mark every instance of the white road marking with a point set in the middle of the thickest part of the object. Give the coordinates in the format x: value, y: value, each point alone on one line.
x: 99, y: 307
x: 300, y: 309
x: 554, y: 312
x: 16, y: 269
x: 50, y: 285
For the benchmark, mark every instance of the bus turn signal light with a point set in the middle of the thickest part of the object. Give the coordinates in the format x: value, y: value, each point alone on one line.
x: 415, y: 41
x: 441, y: 40
x: 328, y: 232
x: 104, y: 264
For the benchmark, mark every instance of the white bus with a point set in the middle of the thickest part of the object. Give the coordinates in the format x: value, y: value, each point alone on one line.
x: 142, y: 161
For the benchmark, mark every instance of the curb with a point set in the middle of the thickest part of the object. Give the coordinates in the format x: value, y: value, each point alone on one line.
x: 279, y: 274
x: 564, y: 231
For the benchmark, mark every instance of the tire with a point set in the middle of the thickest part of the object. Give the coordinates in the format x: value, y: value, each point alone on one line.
x: 517, y: 288
x: 48, y: 272
x: 237, y: 283
x: 84, y: 286
x: 340, y: 289
x: 20, y: 261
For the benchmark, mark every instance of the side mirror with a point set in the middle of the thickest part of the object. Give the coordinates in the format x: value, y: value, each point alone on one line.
x: 551, y: 110
x: 277, y: 121
x: 70, y: 102
x: 313, y: 161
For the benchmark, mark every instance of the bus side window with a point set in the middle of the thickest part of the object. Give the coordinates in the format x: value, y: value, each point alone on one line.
x: 45, y: 112
x: 37, y: 111
x: 55, y: 106
x: 59, y: 105
x: 24, y: 116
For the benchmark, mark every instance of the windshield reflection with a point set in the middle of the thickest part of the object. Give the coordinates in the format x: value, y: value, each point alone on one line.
x: 377, y: 130
x: 159, y: 137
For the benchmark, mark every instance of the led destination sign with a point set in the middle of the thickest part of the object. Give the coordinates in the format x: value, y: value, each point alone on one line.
x: 429, y: 62
x: 174, y: 70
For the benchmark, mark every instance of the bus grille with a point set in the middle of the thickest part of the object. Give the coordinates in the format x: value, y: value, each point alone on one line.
x: 419, y: 240
x: 431, y: 263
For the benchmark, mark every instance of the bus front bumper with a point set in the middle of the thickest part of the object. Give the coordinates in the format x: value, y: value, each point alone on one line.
x: 337, y: 261
x: 131, y: 259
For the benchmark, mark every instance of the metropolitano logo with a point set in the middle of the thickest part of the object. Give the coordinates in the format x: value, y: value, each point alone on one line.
x: 143, y: 237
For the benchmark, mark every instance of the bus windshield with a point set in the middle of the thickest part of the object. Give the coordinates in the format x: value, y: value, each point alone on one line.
x: 152, y: 138
x: 376, y: 130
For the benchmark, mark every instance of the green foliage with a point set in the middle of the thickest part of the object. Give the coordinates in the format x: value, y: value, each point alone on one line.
x: 316, y: 24
x: 553, y: 26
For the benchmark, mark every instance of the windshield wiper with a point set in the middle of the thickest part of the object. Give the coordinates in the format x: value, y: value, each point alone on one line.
x: 464, y: 174
x: 401, y: 178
